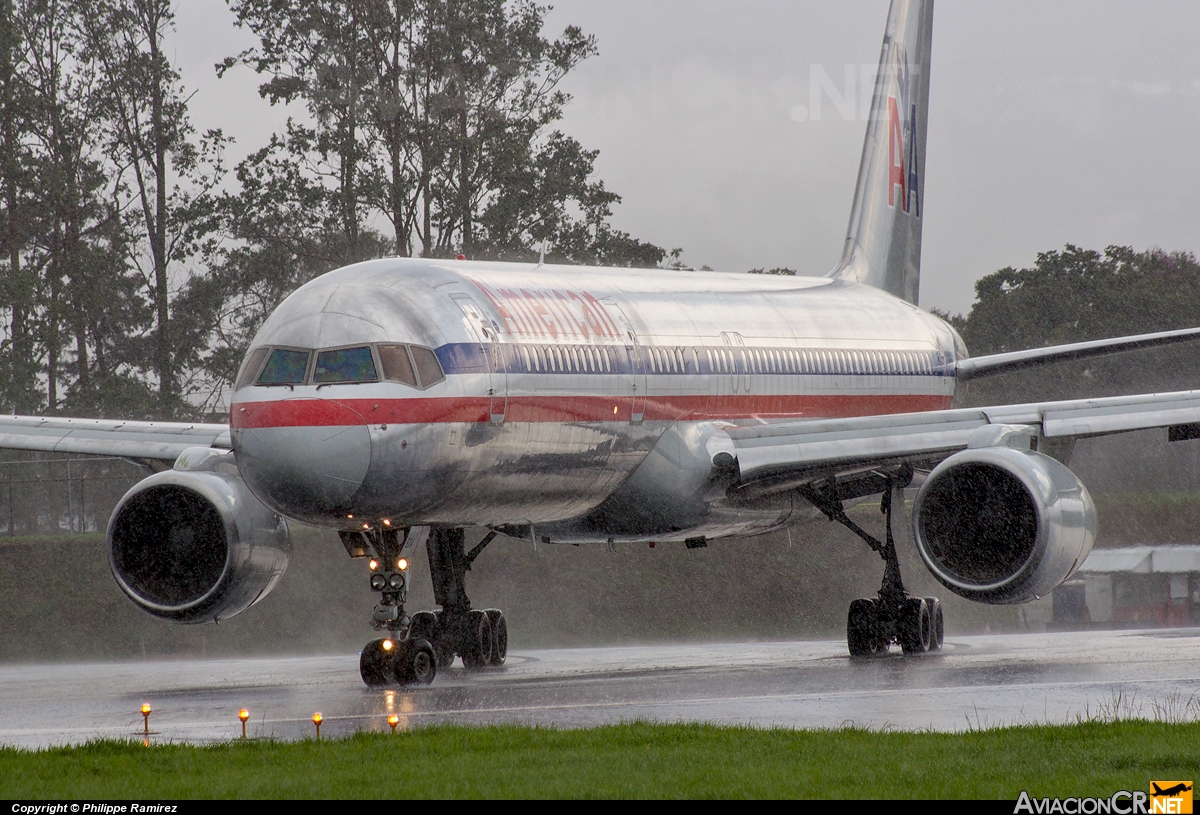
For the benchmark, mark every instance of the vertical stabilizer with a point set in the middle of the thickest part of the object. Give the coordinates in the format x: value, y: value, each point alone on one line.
x: 883, y: 242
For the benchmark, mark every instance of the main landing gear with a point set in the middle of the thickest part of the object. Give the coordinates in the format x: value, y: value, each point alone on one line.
x: 873, y: 624
x: 413, y: 648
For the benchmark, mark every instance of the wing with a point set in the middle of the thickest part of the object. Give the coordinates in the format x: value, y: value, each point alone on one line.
x: 157, y: 441
x: 771, y: 458
x: 976, y: 367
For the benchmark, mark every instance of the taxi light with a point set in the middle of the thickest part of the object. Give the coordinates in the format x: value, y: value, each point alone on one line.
x: 366, y: 526
x: 243, y: 715
x: 146, y: 722
x: 374, y: 564
x: 402, y: 564
x: 317, y: 719
x: 386, y: 522
x: 614, y: 410
x: 393, y: 720
x: 349, y: 516
x: 387, y: 645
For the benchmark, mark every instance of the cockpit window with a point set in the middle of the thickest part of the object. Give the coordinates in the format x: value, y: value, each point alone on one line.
x: 285, y: 366
x: 397, y: 367
x: 250, y: 367
x: 345, y: 365
x: 428, y: 368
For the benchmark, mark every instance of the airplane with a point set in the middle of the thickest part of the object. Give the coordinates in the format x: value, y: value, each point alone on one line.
x: 1170, y: 792
x: 401, y: 401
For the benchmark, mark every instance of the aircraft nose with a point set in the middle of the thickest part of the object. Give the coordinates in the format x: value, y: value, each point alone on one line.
x: 306, y: 457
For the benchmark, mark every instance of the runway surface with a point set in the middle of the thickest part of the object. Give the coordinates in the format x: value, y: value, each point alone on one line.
x: 982, y: 681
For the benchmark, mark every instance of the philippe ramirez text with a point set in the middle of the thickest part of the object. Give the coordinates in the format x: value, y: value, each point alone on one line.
x: 90, y: 809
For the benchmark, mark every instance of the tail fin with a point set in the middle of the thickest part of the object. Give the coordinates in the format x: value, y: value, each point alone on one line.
x: 883, y: 242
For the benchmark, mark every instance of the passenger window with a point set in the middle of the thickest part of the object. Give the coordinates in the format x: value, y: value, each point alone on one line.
x: 344, y: 365
x: 428, y: 368
x: 250, y: 367
x: 397, y: 367
x: 285, y: 366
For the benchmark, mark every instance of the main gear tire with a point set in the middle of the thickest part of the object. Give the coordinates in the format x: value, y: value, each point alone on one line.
x: 937, y: 623
x: 499, y: 636
x: 915, y: 626
x: 477, y: 641
x: 862, y: 628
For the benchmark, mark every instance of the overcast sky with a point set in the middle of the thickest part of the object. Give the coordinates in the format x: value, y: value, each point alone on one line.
x: 1050, y: 122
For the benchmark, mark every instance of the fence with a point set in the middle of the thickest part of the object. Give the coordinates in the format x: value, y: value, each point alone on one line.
x: 49, y: 494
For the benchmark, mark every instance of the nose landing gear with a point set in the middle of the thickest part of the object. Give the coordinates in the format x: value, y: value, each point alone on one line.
x: 916, y: 624
x: 413, y: 648
x: 398, y: 657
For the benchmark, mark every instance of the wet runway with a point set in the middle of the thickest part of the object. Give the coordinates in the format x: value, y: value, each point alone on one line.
x: 979, y: 681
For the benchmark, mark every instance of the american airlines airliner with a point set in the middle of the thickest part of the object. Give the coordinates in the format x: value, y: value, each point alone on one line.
x: 401, y: 401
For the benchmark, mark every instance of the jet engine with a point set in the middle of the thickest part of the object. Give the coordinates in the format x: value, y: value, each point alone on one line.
x: 193, y: 545
x: 1003, y: 525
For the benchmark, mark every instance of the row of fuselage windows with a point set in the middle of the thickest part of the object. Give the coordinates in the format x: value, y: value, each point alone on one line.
x: 721, y: 360
x: 413, y: 365
x: 418, y: 366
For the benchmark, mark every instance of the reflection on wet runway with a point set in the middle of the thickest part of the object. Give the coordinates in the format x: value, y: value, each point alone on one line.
x: 976, y: 682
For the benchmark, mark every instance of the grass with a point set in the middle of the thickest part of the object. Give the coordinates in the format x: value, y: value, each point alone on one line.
x: 633, y: 760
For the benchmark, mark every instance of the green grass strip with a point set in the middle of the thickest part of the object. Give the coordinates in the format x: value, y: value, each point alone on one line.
x: 635, y: 760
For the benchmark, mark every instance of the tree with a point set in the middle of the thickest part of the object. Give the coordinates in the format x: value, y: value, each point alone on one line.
x: 433, y: 114
x: 1078, y: 294
x: 165, y: 181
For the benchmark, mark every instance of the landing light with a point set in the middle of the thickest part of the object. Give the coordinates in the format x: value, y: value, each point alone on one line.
x: 402, y: 564
x: 396, y: 581
x: 614, y: 410
x: 349, y: 516
x: 378, y: 582
x: 366, y: 526
x: 386, y: 522
x: 387, y: 645
x: 374, y: 564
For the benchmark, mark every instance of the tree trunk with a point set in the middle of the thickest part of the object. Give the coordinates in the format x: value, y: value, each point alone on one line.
x: 158, y: 231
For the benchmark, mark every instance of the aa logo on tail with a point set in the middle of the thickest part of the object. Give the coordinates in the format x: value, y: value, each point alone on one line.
x: 902, y: 142
x: 1171, y: 797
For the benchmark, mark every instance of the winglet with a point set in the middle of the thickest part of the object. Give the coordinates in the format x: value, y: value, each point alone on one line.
x: 883, y: 241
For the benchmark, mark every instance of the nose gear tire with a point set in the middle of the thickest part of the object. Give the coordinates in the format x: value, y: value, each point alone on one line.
x: 374, y: 664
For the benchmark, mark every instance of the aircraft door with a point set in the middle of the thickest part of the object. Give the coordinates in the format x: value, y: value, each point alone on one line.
x: 740, y: 371
x: 635, y: 358
x: 493, y: 353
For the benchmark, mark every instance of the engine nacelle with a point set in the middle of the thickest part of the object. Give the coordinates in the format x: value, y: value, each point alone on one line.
x: 1003, y: 525
x: 193, y: 545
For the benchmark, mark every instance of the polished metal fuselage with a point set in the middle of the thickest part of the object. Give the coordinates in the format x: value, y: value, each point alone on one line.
x: 578, y: 404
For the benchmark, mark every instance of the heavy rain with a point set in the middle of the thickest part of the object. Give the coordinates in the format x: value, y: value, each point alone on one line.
x: 1061, y: 208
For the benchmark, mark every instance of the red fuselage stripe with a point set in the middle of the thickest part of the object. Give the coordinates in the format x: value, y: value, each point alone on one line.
x: 329, y: 412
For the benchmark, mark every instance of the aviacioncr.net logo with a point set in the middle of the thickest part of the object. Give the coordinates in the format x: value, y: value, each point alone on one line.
x: 1164, y: 798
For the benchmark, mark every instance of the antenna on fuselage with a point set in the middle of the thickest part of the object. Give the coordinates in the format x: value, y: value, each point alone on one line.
x: 542, y: 254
